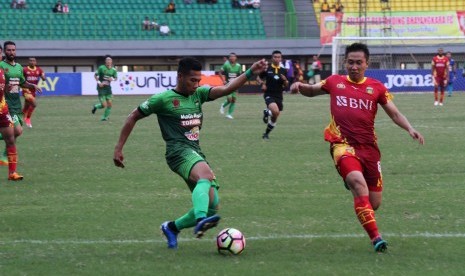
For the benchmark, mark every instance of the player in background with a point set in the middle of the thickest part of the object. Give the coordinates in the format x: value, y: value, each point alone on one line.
x: 229, y: 71
x: 440, y: 73
x: 7, y: 132
x: 452, y: 74
x: 33, y: 74
x: 14, y: 79
x: 179, y: 113
x: 354, y: 103
x: 104, y: 76
x: 273, y: 82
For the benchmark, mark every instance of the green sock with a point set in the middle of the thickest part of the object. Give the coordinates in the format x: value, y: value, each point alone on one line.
x: 213, y: 208
x: 231, y: 108
x: 200, y: 198
x: 98, y: 106
x: 226, y: 103
x: 186, y: 221
x: 107, y: 112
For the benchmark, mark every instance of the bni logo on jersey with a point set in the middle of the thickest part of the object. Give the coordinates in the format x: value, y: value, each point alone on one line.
x: 127, y: 83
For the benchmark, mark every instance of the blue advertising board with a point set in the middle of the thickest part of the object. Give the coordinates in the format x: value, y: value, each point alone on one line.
x: 61, y: 84
x: 411, y: 80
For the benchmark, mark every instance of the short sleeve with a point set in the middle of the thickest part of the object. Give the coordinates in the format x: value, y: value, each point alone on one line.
x: 151, y: 105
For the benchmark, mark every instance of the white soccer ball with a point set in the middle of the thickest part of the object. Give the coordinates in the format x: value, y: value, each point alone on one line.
x: 230, y: 241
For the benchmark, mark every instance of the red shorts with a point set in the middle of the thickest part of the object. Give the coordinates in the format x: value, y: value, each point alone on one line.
x: 440, y: 81
x: 363, y: 158
x: 6, y: 120
x: 29, y: 93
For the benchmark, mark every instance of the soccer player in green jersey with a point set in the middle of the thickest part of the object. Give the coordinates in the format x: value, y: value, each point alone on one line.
x: 230, y: 70
x: 104, y: 76
x: 180, y: 116
x: 14, y: 78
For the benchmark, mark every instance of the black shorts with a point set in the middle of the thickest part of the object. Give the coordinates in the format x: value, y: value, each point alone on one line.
x: 271, y: 99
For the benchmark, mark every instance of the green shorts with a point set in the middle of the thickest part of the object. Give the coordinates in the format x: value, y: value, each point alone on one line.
x: 17, y: 119
x: 182, y: 160
x: 105, y: 97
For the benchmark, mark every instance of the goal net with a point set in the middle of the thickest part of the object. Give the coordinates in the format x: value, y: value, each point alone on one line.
x: 390, y: 52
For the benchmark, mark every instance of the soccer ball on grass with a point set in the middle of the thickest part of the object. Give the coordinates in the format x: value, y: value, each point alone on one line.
x: 230, y: 241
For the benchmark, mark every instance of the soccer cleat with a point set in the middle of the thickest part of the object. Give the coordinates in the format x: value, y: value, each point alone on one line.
x: 265, y: 136
x: 222, y: 109
x: 380, y: 245
x: 436, y: 103
x: 28, y: 122
x: 171, y: 236
x: 266, y: 115
x: 205, y: 224
x: 94, y: 109
x: 15, y: 176
x: 104, y: 119
x: 440, y: 104
x: 229, y: 116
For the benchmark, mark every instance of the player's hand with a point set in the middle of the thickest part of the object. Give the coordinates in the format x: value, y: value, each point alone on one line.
x: 38, y: 89
x: 283, y: 77
x: 118, y: 159
x: 295, y: 87
x: 259, y: 66
x: 417, y: 136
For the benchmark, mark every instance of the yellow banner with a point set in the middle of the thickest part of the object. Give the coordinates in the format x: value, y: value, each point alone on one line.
x: 404, y: 24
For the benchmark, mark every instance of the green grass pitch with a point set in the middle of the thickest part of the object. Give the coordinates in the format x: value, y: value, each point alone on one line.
x: 75, y: 213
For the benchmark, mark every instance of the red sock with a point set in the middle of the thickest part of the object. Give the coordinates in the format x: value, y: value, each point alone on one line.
x: 435, y: 94
x: 30, y: 110
x: 441, y: 99
x: 12, y: 158
x: 366, y: 216
x: 25, y: 110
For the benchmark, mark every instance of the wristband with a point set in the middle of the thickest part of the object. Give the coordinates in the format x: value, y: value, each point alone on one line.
x: 249, y: 74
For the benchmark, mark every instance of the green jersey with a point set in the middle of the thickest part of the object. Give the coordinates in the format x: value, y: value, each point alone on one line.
x: 231, y: 71
x: 179, y: 117
x: 104, y: 75
x: 14, y: 77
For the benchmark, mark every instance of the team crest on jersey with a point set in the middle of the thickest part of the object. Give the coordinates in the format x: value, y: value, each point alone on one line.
x: 176, y: 103
x: 370, y: 90
x: 340, y: 86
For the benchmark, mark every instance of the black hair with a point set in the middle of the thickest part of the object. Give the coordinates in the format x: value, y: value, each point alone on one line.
x: 6, y: 43
x: 357, y: 47
x: 188, y: 64
x: 276, y: 52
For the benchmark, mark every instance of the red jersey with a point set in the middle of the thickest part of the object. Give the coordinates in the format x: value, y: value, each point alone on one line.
x: 353, y: 109
x: 439, y: 66
x: 32, y: 75
x: 3, y: 105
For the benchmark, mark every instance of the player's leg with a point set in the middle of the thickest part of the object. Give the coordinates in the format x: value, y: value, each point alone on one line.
x: 101, y: 104
x: 224, y: 105
x: 108, y: 104
x: 436, y: 96
x: 449, y: 88
x: 443, y: 88
x: 275, y: 107
x: 7, y: 131
x: 367, y: 196
x: 232, y: 105
x: 29, y: 107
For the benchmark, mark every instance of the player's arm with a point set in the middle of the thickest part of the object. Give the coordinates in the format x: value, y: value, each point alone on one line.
x: 31, y: 86
x: 128, y: 126
x: 233, y: 85
x: 42, y: 75
x: 308, y: 90
x: 400, y: 120
x: 222, y: 75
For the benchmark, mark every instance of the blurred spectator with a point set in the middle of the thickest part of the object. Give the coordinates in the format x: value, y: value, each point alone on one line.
x: 146, y: 24
x: 235, y: 4
x: 14, y: 4
x: 316, y: 68
x: 171, y: 8
x: 65, y: 8
x: 243, y: 4
x: 325, y: 6
x: 255, y: 4
x: 21, y: 4
x: 58, y: 7
x: 188, y: 2
x: 154, y: 24
x: 338, y: 7
x: 164, y: 30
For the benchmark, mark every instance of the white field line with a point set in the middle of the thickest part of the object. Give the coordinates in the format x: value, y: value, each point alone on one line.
x: 258, y: 238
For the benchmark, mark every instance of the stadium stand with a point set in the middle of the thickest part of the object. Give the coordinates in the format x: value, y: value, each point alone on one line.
x: 122, y: 19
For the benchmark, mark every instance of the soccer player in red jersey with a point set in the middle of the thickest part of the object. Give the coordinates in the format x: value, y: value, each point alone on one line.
x: 440, y: 73
x: 354, y: 103
x: 33, y: 74
x: 7, y: 131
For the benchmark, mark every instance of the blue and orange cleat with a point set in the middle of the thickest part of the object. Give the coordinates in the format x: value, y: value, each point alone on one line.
x: 380, y: 245
x: 171, y: 236
x: 205, y: 224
